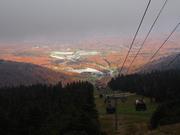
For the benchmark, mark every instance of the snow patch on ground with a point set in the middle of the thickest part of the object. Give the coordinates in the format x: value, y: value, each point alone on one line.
x: 87, y: 70
x: 73, y: 56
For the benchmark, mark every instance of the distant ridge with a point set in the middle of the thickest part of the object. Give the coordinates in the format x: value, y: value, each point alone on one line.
x: 162, y: 64
x: 18, y: 73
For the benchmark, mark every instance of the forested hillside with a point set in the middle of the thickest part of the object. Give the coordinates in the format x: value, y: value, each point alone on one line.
x: 18, y: 73
x: 49, y: 110
x: 165, y: 63
x: 161, y: 87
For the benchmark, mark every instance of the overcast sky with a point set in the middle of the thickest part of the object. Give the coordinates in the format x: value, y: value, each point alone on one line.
x: 70, y: 19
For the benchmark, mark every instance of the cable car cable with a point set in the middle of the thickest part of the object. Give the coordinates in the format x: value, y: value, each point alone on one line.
x: 135, y: 36
x: 151, y: 28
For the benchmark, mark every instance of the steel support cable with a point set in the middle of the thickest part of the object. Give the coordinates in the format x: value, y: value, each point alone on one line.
x: 135, y: 36
x: 152, y: 57
x: 151, y: 28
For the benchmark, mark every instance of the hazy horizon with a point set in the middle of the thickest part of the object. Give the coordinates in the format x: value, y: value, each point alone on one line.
x: 68, y: 20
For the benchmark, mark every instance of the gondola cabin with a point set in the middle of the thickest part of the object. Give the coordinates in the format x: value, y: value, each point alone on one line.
x: 140, y: 105
x: 110, y: 107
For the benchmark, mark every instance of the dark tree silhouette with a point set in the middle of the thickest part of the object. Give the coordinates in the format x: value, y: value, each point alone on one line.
x: 49, y: 110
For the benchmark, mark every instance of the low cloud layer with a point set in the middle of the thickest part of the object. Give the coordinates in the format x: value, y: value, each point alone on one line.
x: 68, y: 19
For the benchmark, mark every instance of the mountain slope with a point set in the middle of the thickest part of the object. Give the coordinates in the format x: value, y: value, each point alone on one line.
x: 163, y: 63
x: 17, y: 73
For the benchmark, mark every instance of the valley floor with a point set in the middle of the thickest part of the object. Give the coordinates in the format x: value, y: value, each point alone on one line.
x: 132, y: 122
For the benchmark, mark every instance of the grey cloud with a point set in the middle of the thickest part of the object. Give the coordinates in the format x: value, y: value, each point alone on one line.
x: 21, y: 19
